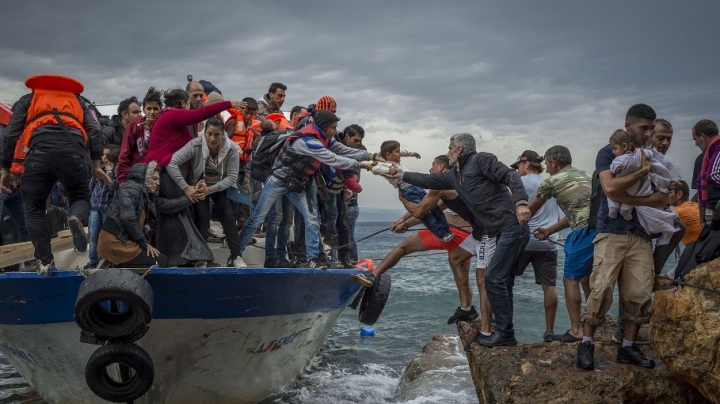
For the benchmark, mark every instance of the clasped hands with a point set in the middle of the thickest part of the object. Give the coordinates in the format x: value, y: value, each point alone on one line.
x: 198, y: 192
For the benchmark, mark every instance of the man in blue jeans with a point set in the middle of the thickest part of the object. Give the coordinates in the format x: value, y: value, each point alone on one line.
x: 299, y: 159
x: 482, y: 183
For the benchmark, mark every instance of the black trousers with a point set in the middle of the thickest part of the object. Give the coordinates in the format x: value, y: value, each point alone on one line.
x: 226, y: 210
x: 42, y: 170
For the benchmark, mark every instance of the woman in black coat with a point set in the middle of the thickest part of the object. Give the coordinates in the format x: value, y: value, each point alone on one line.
x: 132, y: 219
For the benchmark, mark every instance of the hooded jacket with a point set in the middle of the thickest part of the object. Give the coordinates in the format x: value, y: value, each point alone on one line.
x: 113, y: 133
x: 123, y: 214
x: 482, y: 182
x: 197, y: 151
x: 134, y: 147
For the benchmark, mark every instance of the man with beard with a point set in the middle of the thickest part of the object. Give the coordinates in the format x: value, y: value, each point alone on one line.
x: 272, y: 101
x: 623, y: 250
x: 128, y: 109
x: 661, y: 136
x: 195, y: 91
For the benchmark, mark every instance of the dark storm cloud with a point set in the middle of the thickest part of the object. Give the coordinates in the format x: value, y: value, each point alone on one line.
x: 517, y: 74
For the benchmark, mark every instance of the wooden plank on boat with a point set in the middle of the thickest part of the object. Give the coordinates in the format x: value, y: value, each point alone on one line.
x: 20, y: 252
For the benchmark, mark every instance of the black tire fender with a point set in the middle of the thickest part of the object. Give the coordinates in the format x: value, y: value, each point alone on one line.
x: 122, y: 288
x: 374, y: 299
x: 108, y: 388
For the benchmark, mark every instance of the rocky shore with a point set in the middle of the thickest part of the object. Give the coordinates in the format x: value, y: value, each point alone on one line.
x: 685, y: 328
x: 546, y: 373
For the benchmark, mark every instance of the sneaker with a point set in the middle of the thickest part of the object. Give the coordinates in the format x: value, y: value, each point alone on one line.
x: 346, y: 264
x: 44, y: 269
x: 496, y: 339
x: 365, y: 278
x: 200, y: 264
x: 283, y: 263
x: 620, y: 335
x: 236, y: 262
x: 462, y: 315
x: 79, y: 237
x: 586, y: 355
x: 567, y: 337
x: 315, y: 263
x: 91, y: 265
x: 549, y: 336
x: 448, y: 237
x: 633, y: 355
x: 270, y: 263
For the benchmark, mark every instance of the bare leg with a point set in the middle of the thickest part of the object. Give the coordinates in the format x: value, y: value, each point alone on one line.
x: 485, y: 308
x: 631, y: 331
x: 588, y: 330
x: 572, y: 301
x: 409, y: 245
x: 551, y: 303
x: 459, y: 262
x: 585, y: 283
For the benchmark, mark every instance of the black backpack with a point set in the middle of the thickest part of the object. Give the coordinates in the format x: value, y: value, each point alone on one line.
x: 595, y: 200
x: 265, y: 154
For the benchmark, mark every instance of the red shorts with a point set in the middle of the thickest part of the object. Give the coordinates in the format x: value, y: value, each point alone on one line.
x: 432, y: 242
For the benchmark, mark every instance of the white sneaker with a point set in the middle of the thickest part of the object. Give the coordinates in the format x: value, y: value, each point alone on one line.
x: 238, y: 263
x: 44, y: 269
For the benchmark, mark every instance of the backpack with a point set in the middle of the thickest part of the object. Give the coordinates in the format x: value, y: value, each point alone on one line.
x: 595, y: 200
x: 265, y: 154
x: 56, y: 219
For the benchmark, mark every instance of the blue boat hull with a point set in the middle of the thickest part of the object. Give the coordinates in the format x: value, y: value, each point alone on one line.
x: 217, y: 335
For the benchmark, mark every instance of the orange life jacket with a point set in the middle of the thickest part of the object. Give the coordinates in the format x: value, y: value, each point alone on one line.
x: 54, y: 102
x: 241, y: 134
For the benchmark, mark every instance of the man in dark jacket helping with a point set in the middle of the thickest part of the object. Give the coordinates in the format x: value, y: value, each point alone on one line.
x: 482, y: 183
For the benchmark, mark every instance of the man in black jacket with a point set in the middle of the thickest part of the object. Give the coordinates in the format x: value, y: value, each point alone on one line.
x: 482, y: 182
x: 128, y: 109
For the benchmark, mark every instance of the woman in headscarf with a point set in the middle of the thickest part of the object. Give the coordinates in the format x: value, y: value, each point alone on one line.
x: 132, y: 219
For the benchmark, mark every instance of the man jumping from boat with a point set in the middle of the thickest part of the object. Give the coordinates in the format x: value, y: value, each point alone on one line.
x: 459, y: 251
x: 48, y: 139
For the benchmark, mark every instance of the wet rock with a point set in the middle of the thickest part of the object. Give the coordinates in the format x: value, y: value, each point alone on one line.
x: 439, y: 353
x: 440, y: 366
x: 686, y: 331
x: 546, y: 373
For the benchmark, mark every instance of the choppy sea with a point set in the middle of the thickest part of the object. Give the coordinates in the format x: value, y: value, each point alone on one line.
x: 357, y: 369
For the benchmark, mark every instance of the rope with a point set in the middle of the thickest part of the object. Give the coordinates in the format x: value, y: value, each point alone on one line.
x: 334, y: 248
x: 706, y: 289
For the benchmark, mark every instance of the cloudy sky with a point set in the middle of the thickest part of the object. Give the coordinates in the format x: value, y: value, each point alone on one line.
x: 516, y: 74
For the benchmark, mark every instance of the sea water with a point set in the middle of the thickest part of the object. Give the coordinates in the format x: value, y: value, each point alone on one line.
x: 351, y: 368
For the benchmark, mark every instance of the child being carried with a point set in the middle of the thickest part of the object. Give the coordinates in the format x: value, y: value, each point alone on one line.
x: 662, y: 172
x: 434, y: 220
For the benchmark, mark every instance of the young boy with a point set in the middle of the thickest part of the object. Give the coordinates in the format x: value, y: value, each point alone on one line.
x: 100, y: 196
x: 628, y: 160
x: 434, y: 220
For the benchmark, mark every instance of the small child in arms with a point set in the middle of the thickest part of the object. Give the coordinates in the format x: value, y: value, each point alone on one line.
x: 434, y: 220
x: 628, y: 160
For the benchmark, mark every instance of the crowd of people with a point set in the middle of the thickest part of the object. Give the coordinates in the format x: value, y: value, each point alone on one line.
x: 148, y: 181
x: 625, y: 220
